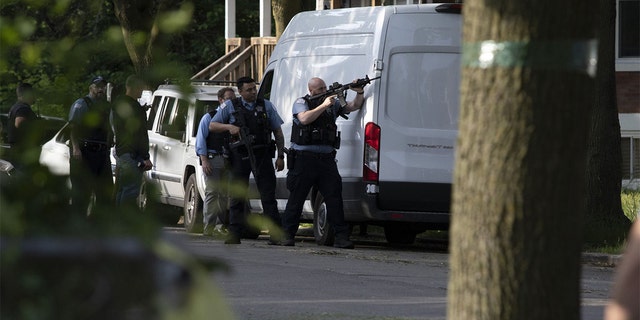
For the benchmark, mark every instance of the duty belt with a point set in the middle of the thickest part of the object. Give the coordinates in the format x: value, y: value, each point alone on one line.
x: 315, y: 155
x: 94, y: 146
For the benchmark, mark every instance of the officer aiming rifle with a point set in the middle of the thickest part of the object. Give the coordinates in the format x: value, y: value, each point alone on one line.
x: 315, y: 139
x: 340, y: 91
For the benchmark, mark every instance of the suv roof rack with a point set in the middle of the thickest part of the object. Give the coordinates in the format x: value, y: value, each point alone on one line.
x: 208, y: 82
x: 204, y: 82
x: 170, y: 81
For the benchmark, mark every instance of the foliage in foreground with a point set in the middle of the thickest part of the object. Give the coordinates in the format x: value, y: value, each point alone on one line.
x: 112, y: 264
x: 58, y: 46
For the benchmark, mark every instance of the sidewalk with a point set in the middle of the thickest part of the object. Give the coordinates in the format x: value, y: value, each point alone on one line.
x: 441, y: 244
x: 601, y: 259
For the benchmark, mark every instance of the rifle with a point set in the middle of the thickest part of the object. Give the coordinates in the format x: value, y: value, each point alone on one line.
x: 245, y: 139
x: 340, y: 91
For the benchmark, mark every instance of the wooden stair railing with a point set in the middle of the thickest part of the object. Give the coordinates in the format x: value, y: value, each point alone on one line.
x: 245, y: 57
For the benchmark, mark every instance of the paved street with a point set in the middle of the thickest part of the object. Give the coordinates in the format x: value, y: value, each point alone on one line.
x: 374, y: 281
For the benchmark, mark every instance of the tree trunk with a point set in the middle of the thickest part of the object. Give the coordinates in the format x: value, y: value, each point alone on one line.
x: 521, y: 158
x: 139, y: 29
x: 283, y: 11
x: 605, y: 222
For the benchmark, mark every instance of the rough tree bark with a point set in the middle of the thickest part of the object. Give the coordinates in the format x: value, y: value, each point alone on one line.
x: 521, y: 157
x: 139, y: 29
x: 605, y: 222
x: 283, y: 11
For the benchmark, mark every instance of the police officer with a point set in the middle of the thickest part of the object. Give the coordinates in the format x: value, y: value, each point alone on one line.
x: 129, y: 121
x: 91, y: 135
x: 314, y: 140
x: 20, y: 125
x: 255, y: 119
x: 211, y: 148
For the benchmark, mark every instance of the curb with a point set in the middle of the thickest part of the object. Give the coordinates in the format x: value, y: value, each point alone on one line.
x: 601, y: 259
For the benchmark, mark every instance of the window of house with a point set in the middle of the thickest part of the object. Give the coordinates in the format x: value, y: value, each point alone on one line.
x: 630, y: 158
x: 628, y: 35
x: 629, y: 28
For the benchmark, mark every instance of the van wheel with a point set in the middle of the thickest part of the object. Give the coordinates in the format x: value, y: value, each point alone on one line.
x: 322, y: 230
x: 148, y: 203
x: 399, y: 233
x: 193, y: 216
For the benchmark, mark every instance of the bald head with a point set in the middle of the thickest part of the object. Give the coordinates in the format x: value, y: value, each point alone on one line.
x: 134, y: 86
x: 316, y: 86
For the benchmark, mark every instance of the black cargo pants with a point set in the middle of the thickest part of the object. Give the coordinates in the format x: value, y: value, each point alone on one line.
x: 266, y: 182
x: 320, y: 170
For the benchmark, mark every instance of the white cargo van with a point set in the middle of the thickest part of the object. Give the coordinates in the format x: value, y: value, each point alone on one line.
x: 397, y: 153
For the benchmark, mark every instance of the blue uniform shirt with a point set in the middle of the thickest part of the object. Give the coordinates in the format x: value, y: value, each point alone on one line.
x: 225, y: 115
x: 78, y: 109
x: 300, y: 106
x: 201, y: 136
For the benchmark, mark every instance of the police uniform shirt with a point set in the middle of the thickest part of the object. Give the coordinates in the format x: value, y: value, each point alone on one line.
x: 300, y: 106
x: 79, y: 109
x: 203, y: 133
x: 225, y: 115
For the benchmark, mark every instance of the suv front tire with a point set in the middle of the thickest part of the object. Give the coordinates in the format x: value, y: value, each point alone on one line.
x: 193, y: 219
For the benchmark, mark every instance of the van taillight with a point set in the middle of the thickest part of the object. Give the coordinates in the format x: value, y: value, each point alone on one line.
x: 371, y: 152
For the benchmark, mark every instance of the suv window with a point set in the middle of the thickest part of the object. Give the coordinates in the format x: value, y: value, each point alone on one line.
x: 166, y: 115
x: 152, y: 112
x: 173, y: 119
x: 180, y: 116
x: 202, y: 107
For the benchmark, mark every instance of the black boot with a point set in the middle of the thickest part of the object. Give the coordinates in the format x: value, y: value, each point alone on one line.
x: 288, y: 242
x: 232, y: 239
x: 343, y: 242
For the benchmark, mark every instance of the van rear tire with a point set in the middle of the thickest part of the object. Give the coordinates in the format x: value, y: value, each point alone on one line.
x: 192, y: 209
x: 322, y: 231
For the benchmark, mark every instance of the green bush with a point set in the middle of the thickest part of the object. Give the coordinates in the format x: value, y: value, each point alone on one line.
x: 630, y: 203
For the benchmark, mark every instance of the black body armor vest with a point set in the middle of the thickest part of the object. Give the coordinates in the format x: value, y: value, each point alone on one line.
x: 256, y: 120
x: 94, y: 126
x: 218, y: 141
x: 323, y: 131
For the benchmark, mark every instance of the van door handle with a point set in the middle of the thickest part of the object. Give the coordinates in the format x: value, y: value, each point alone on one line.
x: 166, y: 148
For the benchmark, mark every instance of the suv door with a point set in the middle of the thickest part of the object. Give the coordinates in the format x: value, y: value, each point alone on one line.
x: 168, y: 146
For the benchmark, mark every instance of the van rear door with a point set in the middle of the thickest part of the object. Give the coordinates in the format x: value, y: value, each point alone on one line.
x: 418, y: 111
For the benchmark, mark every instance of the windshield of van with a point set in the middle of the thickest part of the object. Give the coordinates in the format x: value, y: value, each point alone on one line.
x: 427, y: 93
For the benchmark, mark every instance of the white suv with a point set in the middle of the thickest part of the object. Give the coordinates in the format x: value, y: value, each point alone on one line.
x: 172, y: 125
